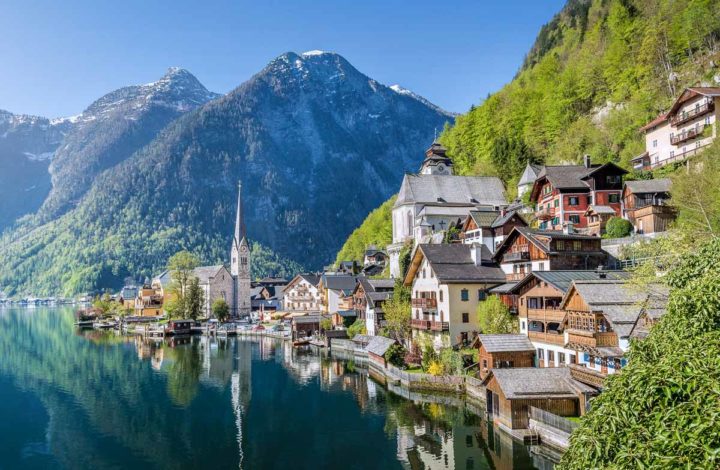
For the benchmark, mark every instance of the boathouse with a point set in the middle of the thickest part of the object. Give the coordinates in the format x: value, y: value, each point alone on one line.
x: 504, y: 351
x: 376, y: 348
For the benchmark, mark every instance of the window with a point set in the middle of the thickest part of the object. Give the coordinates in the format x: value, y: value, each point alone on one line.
x: 468, y: 440
x: 541, y: 266
x: 464, y: 295
x: 441, y: 295
x: 571, y: 358
x: 466, y: 318
x: 556, y: 220
x: 613, y: 179
x: 556, y: 202
x: 613, y: 198
x: 574, y: 219
x: 551, y: 356
x: 655, y: 143
x: 561, y: 357
x: 522, y: 325
x: 560, y: 244
x: 482, y: 295
x: 573, y: 201
x: 484, y: 363
x: 423, y: 271
x: 577, y: 245
x: 541, y: 354
x: 672, y: 153
x: 707, y: 120
x: 589, y: 200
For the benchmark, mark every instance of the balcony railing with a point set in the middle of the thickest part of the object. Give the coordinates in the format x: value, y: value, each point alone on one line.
x: 515, y: 276
x: 546, y: 314
x: 424, y: 303
x: 546, y: 213
x: 516, y: 256
x: 687, y: 135
x: 692, y: 114
x: 429, y: 325
x: 679, y: 157
x: 439, y: 326
x: 593, y: 339
x: 550, y: 338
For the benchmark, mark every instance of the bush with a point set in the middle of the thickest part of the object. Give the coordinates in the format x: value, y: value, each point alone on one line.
x: 325, y: 324
x: 618, y: 227
x: 357, y: 328
x: 435, y: 368
x: 452, y: 361
x: 395, y: 355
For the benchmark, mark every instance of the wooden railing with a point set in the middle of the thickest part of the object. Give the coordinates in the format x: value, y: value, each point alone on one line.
x: 545, y: 314
x: 681, y: 118
x: 593, y: 339
x: 424, y: 303
x: 429, y: 325
x: 516, y: 256
x: 687, y: 135
x: 546, y: 213
x: 551, y: 338
x: 587, y: 376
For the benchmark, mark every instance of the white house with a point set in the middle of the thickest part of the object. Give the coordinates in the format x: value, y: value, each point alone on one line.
x: 302, y: 294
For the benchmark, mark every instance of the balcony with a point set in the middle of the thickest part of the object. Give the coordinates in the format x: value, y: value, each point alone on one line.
x: 511, y: 256
x: 549, y: 338
x: 682, y: 118
x: 429, y: 325
x: 439, y: 326
x: 515, y: 276
x: 545, y: 314
x: 546, y: 213
x: 424, y: 303
x: 587, y: 376
x: 592, y: 339
x: 687, y: 135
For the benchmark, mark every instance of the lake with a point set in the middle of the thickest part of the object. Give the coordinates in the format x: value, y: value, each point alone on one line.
x: 90, y: 399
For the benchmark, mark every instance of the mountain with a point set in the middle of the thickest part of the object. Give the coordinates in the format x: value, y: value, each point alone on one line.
x: 113, y: 128
x: 317, y: 144
x: 596, y: 73
x: 27, y: 145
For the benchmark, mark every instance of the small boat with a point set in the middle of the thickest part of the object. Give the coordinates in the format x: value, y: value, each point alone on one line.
x: 104, y: 325
x: 301, y: 342
x: 179, y: 327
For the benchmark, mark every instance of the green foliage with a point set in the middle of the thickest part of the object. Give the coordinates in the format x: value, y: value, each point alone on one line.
x: 376, y: 230
x: 194, y: 300
x: 357, y: 328
x: 404, y: 259
x: 494, y: 317
x: 696, y: 194
x: 326, y: 325
x: 451, y: 361
x: 397, y: 315
x: 662, y: 411
x: 395, y: 355
x: 221, y: 310
x: 108, y: 307
x: 598, y: 71
x: 617, y: 227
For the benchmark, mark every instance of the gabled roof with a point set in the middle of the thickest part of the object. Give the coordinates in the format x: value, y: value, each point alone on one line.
x: 503, y: 219
x: 129, y: 292
x: 529, y: 174
x: 562, y: 280
x: 609, y: 165
x: 204, y: 273
x: 378, y: 345
x: 571, y: 177
x: 484, y: 219
x: 520, y: 383
x: 454, y: 263
x: 540, y: 238
x: 451, y: 190
x: 662, y: 117
x: 506, y: 343
x: 312, y: 279
x: 600, y: 210
x: 660, y: 185
x: 382, y: 283
x: 340, y: 282
x: 690, y: 93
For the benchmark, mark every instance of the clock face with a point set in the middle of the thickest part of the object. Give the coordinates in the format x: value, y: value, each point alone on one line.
x: 243, y: 249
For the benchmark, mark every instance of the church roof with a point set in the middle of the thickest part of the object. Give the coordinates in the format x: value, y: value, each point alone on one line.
x: 452, y: 190
x: 240, y: 231
x: 204, y: 273
x: 530, y: 174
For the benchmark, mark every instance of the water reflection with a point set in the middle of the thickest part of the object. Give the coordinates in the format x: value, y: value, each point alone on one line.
x: 102, y: 400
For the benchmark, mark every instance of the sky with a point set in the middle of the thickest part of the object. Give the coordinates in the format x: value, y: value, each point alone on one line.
x: 58, y: 57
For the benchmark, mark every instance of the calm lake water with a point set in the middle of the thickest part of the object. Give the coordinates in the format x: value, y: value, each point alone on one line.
x: 71, y: 399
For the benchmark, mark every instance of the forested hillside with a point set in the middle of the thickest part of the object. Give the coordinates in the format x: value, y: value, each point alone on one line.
x: 597, y: 72
x: 376, y: 230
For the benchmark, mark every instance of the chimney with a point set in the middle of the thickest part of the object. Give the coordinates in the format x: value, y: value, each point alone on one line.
x: 476, y: 253
x: 601, y: 272
x: 586, y: 161
x: 568, y: 228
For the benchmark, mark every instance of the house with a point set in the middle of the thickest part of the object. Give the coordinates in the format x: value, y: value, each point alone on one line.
x: 684, y: 130
x: 128, y: 296
x: 351, y: 268
x: 600, y: 317
x: 489, y: 227
x: 527, y: 250
x: 430, y: 201
x: 563, y: 193
x: 302, y: 294
x: 645, y: 205
x: 527, y: 179
x: 540, y: 317
x: 333, y: 289
x: 597, y: 218
x: 374, y: 256
x: 305, y: 326
x: 511, y: 392
x: 376, y: 348
x: 447, y: 283
x: 216, y: 283
x: 149, y: 301
x: 265, y: 300
x: 270, y: 282
x: 502, y: 351
x: 369, y: 297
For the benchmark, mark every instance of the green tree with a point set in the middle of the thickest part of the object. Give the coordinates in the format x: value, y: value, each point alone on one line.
x: 221, y: 309
x: 395, y: 355
x: 326, y: 324
x: 618, y: 227
x: 397, y: 319
x: 194, y: 299
x: 357, y: 328
x: 696, y: 194
x: 494, y: 317
x: 181, y: 266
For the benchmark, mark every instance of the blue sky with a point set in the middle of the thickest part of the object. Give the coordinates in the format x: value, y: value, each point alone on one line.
x: 57, y: 57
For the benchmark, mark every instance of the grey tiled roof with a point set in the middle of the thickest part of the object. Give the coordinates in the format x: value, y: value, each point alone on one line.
x: 506, y: 343
x: 453, y: 263
x: 535, y: 383
x: 378, y: 345
x: 466, y: 190
x: 503, y: 288
x: 529, y: 174
x: 542, y: 239
x: 364, y: 339
x: 342, y: 282
x: 312, y: 279
x: 382, y: 283
x: 484, y: 218
x: 204, y: 273
x: 562, y: 280
x: 661, y: 185
x: 503, y: 219
x: 566, y: 176
x: 602, y: 209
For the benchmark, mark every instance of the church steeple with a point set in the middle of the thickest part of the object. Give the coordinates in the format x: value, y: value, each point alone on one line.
x: 240, y: 261
x: 436, y: 161
x: 239, y: 218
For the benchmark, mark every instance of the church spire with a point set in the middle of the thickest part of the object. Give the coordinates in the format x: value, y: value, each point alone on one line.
x: 239, y: 217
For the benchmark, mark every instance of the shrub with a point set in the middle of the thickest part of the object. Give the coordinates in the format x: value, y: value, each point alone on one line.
x: 395, y: 355
x: 618, y: 227
x: 325, y: 324
x: 357, y: 328
x: 451, y: 361
x: 435, y: 368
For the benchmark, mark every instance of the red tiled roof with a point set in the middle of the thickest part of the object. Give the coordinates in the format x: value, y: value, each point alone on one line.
x: 660, y: 119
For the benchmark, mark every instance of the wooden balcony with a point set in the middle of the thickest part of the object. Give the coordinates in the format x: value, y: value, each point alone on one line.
x: 511, y: 256
x: 545, y: 314
x: 682, y: 118
x: 549, y: 338
x: 424, y: 303
x: 587, y: 376
x: 593, y: 339
x: 515, y: 276
x: 439, y: 326
x: 429, y: 325
x: 546, y: 213
x: 654, y: 209
x: 687, y: 135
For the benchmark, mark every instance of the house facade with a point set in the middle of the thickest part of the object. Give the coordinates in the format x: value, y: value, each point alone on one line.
x: 504, y: 351
x: 562, y: 194
x: 447, y: 283
x: 334, y: 288
x: 302, y: 294
x: 216, y: 283
x: 527, y: 250
x: 369, y: 297
x: 489, y: 227
x: 429, y: 202
x: 646, y: 205
x: 683, y: 131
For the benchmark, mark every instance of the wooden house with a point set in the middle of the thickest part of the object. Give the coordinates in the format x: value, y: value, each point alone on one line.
x: 504, y: 351
x: 511, y: 392
x: 597, y: 218
x: 376, y: 348
x: 645, y: 205
x: 369, y: 298
x: 305, y: 326
x: 489, y: 227
x: 527, y: 250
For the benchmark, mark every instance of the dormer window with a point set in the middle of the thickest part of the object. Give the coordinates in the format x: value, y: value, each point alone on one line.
x: 441, y: 200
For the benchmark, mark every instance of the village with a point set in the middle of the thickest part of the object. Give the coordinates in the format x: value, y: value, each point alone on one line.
x: 526, y: 306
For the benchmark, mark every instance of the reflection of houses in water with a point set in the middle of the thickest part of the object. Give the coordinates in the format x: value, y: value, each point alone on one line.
x: 217, y: 360
x: 241, y: 389
x: 148, y: 349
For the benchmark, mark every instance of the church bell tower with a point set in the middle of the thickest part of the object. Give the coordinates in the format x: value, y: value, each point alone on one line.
x: 240, y: 262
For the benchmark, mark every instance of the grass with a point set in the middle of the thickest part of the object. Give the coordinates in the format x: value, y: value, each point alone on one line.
x: 415, y: 370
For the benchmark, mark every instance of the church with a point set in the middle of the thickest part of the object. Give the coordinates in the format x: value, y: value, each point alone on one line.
x: 240, y: 263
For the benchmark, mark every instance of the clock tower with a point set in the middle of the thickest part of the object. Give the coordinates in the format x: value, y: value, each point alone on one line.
x: 240, y: 262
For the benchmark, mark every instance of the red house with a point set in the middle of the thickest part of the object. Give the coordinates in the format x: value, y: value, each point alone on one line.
x: 562, y: 194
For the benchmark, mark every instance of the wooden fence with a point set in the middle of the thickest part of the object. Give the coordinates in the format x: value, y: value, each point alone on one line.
x: 552, y: 420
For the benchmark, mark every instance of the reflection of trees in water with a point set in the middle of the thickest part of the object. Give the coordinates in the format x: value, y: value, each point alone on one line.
x: 102, y: 398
